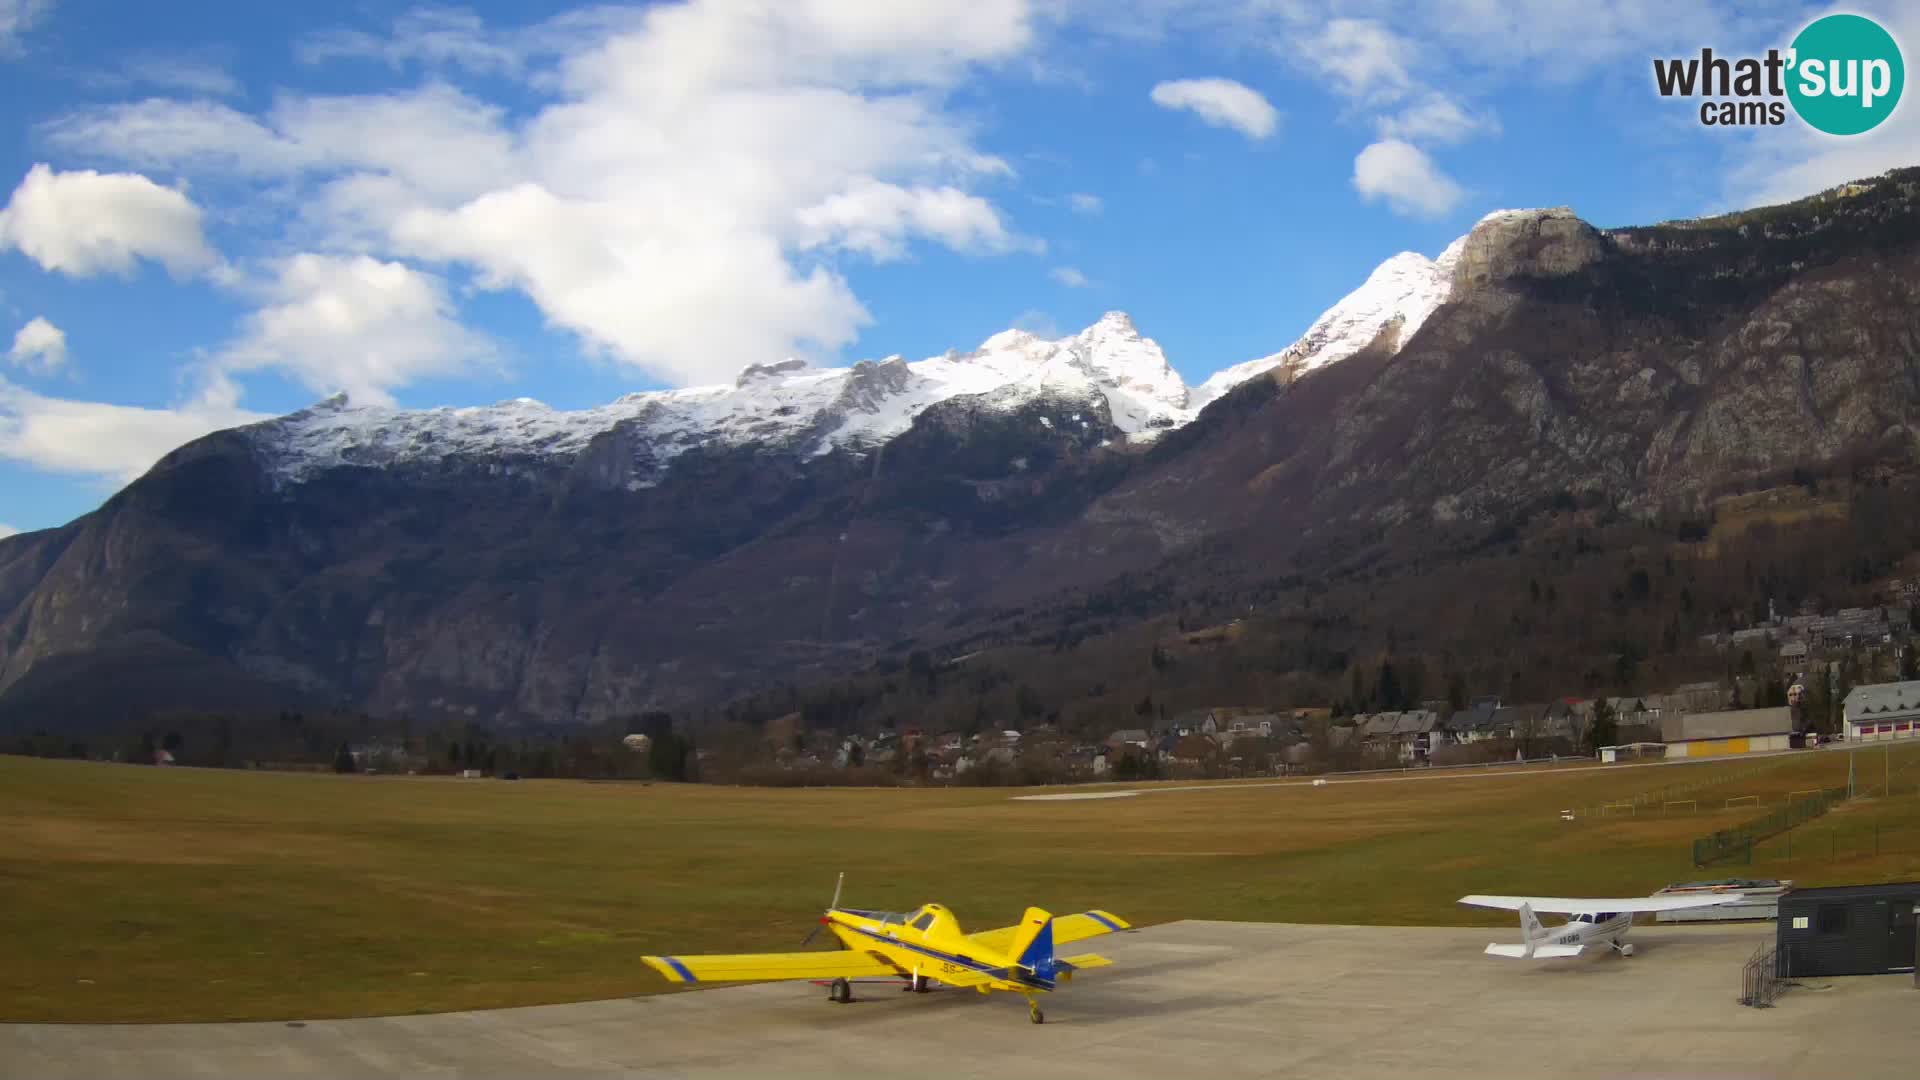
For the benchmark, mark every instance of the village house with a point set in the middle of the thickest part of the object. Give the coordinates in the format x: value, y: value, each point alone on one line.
x: 1526, y: 725
x: 1882, y: 711
x: 1374, y: 730
x: 1793, y: 656
x: 1250, y: 726
x: 1413, y: 734
x: 1194, y: 751
x: 1470, y: 725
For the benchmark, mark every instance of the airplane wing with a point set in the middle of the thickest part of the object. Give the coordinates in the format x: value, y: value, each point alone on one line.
x: 1066, y: 929
x: 769, y: 967
x: 1561, y: 905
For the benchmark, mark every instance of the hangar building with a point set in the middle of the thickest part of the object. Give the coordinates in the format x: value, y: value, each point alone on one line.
x: 1739, y: 731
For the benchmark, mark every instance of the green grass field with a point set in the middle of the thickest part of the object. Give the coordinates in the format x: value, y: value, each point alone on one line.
x: 132, y: 893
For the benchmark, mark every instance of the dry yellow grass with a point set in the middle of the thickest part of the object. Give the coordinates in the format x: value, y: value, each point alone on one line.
x: 156, y: 894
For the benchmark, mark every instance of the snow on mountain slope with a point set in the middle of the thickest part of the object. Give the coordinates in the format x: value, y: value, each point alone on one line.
x: 1407, y: 287
x: 812, y: 410
x: 817, y: 410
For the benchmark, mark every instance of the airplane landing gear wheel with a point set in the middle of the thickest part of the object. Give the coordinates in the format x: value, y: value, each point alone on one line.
x: 1034, y: 1014
x: 840, y: 992
x: 920, y: 984
x: 1626, y: 950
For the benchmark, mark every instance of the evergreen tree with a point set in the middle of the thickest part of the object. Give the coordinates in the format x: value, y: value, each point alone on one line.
x: 343, y: 760
x: 1604, y: 728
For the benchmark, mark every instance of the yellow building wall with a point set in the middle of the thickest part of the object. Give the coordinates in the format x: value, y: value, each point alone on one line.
x: 1710, y: 747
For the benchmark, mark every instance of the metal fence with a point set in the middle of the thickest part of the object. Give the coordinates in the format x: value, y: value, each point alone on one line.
x: 1655, y: 801
x: 1761, y: 980
x: 1738, y: 841
x: 1857, y: 841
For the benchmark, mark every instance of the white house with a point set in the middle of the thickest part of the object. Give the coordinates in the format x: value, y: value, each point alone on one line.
x: 1881, y: 712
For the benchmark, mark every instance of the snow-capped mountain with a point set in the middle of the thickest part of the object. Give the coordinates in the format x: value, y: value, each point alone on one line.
x: 814, y: 411
x: 506, y: 572
x: 789, y: 404
x: 1407, y: 288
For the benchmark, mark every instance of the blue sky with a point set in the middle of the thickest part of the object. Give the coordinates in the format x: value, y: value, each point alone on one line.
x: 220, y: 211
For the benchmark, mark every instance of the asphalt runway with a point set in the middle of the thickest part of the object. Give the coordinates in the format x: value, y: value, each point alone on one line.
x: 1190, y: 999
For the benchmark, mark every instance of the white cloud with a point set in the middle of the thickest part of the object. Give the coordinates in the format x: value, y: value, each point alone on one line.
x: 1222, y: 103
x: 1436, y: 118
x: 436, y: 140
x: 197, y: 136
x: 436, y: 37
x: 876, y: 219
x: 115, y: 443
x: 16, y: 18
x: 1406, y: 178
x: 1083, y: 203
x: 195, y: 73
x: 39, y: 346
x: 84, y: 223
x: 7, y: 530
x: 354, y: 323
x: 682, y: 200
x: 1070, y: 277
x: 1365, y: 60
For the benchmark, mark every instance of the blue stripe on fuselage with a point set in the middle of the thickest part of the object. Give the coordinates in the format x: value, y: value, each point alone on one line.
x: 985, y: 969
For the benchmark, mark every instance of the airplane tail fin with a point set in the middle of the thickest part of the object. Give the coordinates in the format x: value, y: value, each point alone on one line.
x: 1529, y: 922
x: 1032, y: 947
x: 1530, y: 929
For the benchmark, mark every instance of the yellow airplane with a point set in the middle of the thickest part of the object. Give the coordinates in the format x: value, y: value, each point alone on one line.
x: 922, y: 947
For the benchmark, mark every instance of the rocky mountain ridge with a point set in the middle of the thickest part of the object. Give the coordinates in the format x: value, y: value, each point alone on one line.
x: 517, y: 565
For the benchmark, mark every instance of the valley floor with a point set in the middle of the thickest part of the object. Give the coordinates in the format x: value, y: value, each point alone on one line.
x: 142, y: 894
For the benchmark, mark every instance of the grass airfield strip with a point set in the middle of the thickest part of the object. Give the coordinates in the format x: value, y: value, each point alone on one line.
x: 136, y: 894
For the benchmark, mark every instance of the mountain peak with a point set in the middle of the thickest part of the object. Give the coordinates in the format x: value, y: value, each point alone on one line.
x: 1407, y: 287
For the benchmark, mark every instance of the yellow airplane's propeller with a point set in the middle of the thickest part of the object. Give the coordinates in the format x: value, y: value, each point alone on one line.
x: 831, y: 908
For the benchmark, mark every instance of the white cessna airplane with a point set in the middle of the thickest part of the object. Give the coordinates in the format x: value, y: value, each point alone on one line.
x: 1588, y: 921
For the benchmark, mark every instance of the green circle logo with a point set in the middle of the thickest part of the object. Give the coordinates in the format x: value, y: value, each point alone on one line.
x: 1846, y: 74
